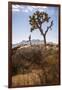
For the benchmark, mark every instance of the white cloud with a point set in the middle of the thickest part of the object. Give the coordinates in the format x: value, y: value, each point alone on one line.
x: 40, y: 7
x: 26, y: 9
x: 44, y: 7
x: 34, y: 7
x: 17, y: 6
x: 16, y: 10
x: 29, y: 8
x: 14, y: 6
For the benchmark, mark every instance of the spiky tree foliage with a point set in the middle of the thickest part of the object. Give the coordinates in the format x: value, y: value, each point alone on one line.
x: 37, y: 20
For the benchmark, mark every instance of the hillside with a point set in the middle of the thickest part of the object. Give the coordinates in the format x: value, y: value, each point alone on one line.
x: 35, y: 65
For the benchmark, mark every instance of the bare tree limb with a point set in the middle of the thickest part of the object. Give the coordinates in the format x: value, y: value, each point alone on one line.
x: 39, y: 26
x: 49, y: 27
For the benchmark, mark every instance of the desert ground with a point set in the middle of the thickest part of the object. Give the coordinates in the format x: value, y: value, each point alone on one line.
x: 35, y: 65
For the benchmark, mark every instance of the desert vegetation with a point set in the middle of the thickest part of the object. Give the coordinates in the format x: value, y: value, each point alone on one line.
x: 38, y: 63
x: 35, y: 65
x: 37, y: 21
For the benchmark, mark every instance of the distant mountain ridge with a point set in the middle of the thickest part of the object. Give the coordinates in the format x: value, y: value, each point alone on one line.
x: 33, y: 42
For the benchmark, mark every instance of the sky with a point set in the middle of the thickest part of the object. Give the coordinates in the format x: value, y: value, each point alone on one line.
x: 21, y: 27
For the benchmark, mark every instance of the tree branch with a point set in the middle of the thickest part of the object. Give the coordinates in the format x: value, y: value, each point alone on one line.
x: 46, y: 20
x: 49, y: 27
x: 40, y: 28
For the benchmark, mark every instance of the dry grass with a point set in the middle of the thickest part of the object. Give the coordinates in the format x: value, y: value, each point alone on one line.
x: 35, y: 65
x: 31, y: 78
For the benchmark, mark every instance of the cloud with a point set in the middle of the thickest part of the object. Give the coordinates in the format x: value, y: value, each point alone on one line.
x: 16, y: 10
x: 17, y: 6
x: 44, y: 7
x: 26, y: 9
x: 29, y: 8
x: 39, y: 7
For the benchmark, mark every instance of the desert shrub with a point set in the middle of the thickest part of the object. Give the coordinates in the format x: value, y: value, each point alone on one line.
x: 53, y: 75
x: 18, y: 69
x: 14, y: 69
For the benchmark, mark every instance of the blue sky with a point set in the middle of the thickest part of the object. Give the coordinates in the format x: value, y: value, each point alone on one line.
x: 21, y: 26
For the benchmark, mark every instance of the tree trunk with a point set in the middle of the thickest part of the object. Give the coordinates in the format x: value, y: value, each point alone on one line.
x: 30, y: 42
x: 44, y: 36
x: 44, y: 40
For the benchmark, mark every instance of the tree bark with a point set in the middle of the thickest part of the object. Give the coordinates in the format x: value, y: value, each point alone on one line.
x: 30, y: 42
x: 44, y: 36
x: 44, y: 39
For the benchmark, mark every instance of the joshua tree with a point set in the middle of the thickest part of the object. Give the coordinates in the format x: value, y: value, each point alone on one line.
x: 37, y: 20
x: 30, y: 39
